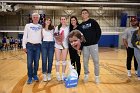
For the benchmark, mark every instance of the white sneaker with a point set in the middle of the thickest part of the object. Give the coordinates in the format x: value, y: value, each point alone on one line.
x: 63, y: 76
x: 136, y: 72
x: 129, y: 73
x: 44, y: 77
x: 49, y: 76
x: 86, y: 78
x: 97, y: 81
x: 58, y: 76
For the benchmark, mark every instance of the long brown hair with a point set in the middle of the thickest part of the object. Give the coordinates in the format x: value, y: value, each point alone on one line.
x: 71, y: 26
x: 50, y: 27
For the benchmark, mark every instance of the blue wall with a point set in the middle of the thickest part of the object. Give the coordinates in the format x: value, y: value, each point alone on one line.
x: 109, y: 41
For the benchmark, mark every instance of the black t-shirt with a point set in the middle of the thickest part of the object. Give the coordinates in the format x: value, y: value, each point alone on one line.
x: 91, y: 31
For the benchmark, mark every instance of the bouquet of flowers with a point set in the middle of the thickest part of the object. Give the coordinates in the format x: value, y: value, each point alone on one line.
x: 59, y: 38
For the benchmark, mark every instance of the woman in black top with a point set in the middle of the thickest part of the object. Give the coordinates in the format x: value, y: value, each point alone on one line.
x: 74, y: 56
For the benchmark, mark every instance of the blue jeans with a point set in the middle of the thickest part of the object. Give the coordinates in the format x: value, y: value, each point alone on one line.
x: 33, y: 56
x: 47, y: 56
x: 137, y: 55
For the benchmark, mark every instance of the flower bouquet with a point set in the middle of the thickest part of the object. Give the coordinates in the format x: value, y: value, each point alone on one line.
x: 59, y: 38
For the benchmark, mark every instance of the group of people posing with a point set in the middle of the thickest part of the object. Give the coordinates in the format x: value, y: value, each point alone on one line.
x: 72, y: 38
x: 60, y: 40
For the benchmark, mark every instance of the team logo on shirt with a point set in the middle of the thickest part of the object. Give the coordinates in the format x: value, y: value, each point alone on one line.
x: 35, y: 28
x: 86, y: 26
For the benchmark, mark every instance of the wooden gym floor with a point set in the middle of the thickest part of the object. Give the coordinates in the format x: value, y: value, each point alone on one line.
x: 113, y: 75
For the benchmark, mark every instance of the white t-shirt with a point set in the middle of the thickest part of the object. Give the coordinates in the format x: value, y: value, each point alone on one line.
x: 32, y: 34
x: 48, y: 35
x: 127, y: 34
x: 65, y: 41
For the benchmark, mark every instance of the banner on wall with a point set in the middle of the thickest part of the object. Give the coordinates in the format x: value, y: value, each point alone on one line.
x: 123, y: 20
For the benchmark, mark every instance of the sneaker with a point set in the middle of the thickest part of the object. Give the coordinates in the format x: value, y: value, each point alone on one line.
x: 129, y: 73
x: 44, y: 77
x: 58, y: 76
x: 63, y: 76
x: 136, y: 72
x: 36, y: 78
x: 49, y: 76
x: 86, y: 78
x: 97, y: 81
x: 29, y: 81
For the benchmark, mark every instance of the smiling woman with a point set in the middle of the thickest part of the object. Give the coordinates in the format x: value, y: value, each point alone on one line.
x: 75, y: 38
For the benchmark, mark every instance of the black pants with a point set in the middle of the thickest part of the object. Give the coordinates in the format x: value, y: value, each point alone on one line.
x: 75, y: 59
x: 130, y: 54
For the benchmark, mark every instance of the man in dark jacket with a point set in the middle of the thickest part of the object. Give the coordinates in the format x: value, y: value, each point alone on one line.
x: 92, y: 32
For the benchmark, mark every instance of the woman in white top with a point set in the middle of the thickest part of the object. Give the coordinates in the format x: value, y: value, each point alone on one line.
x: 61, y: 46
x: 47, y: 49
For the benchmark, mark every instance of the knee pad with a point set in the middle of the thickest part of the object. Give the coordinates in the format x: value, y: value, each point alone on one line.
x: 64, y: 62
x: 57, y: 63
